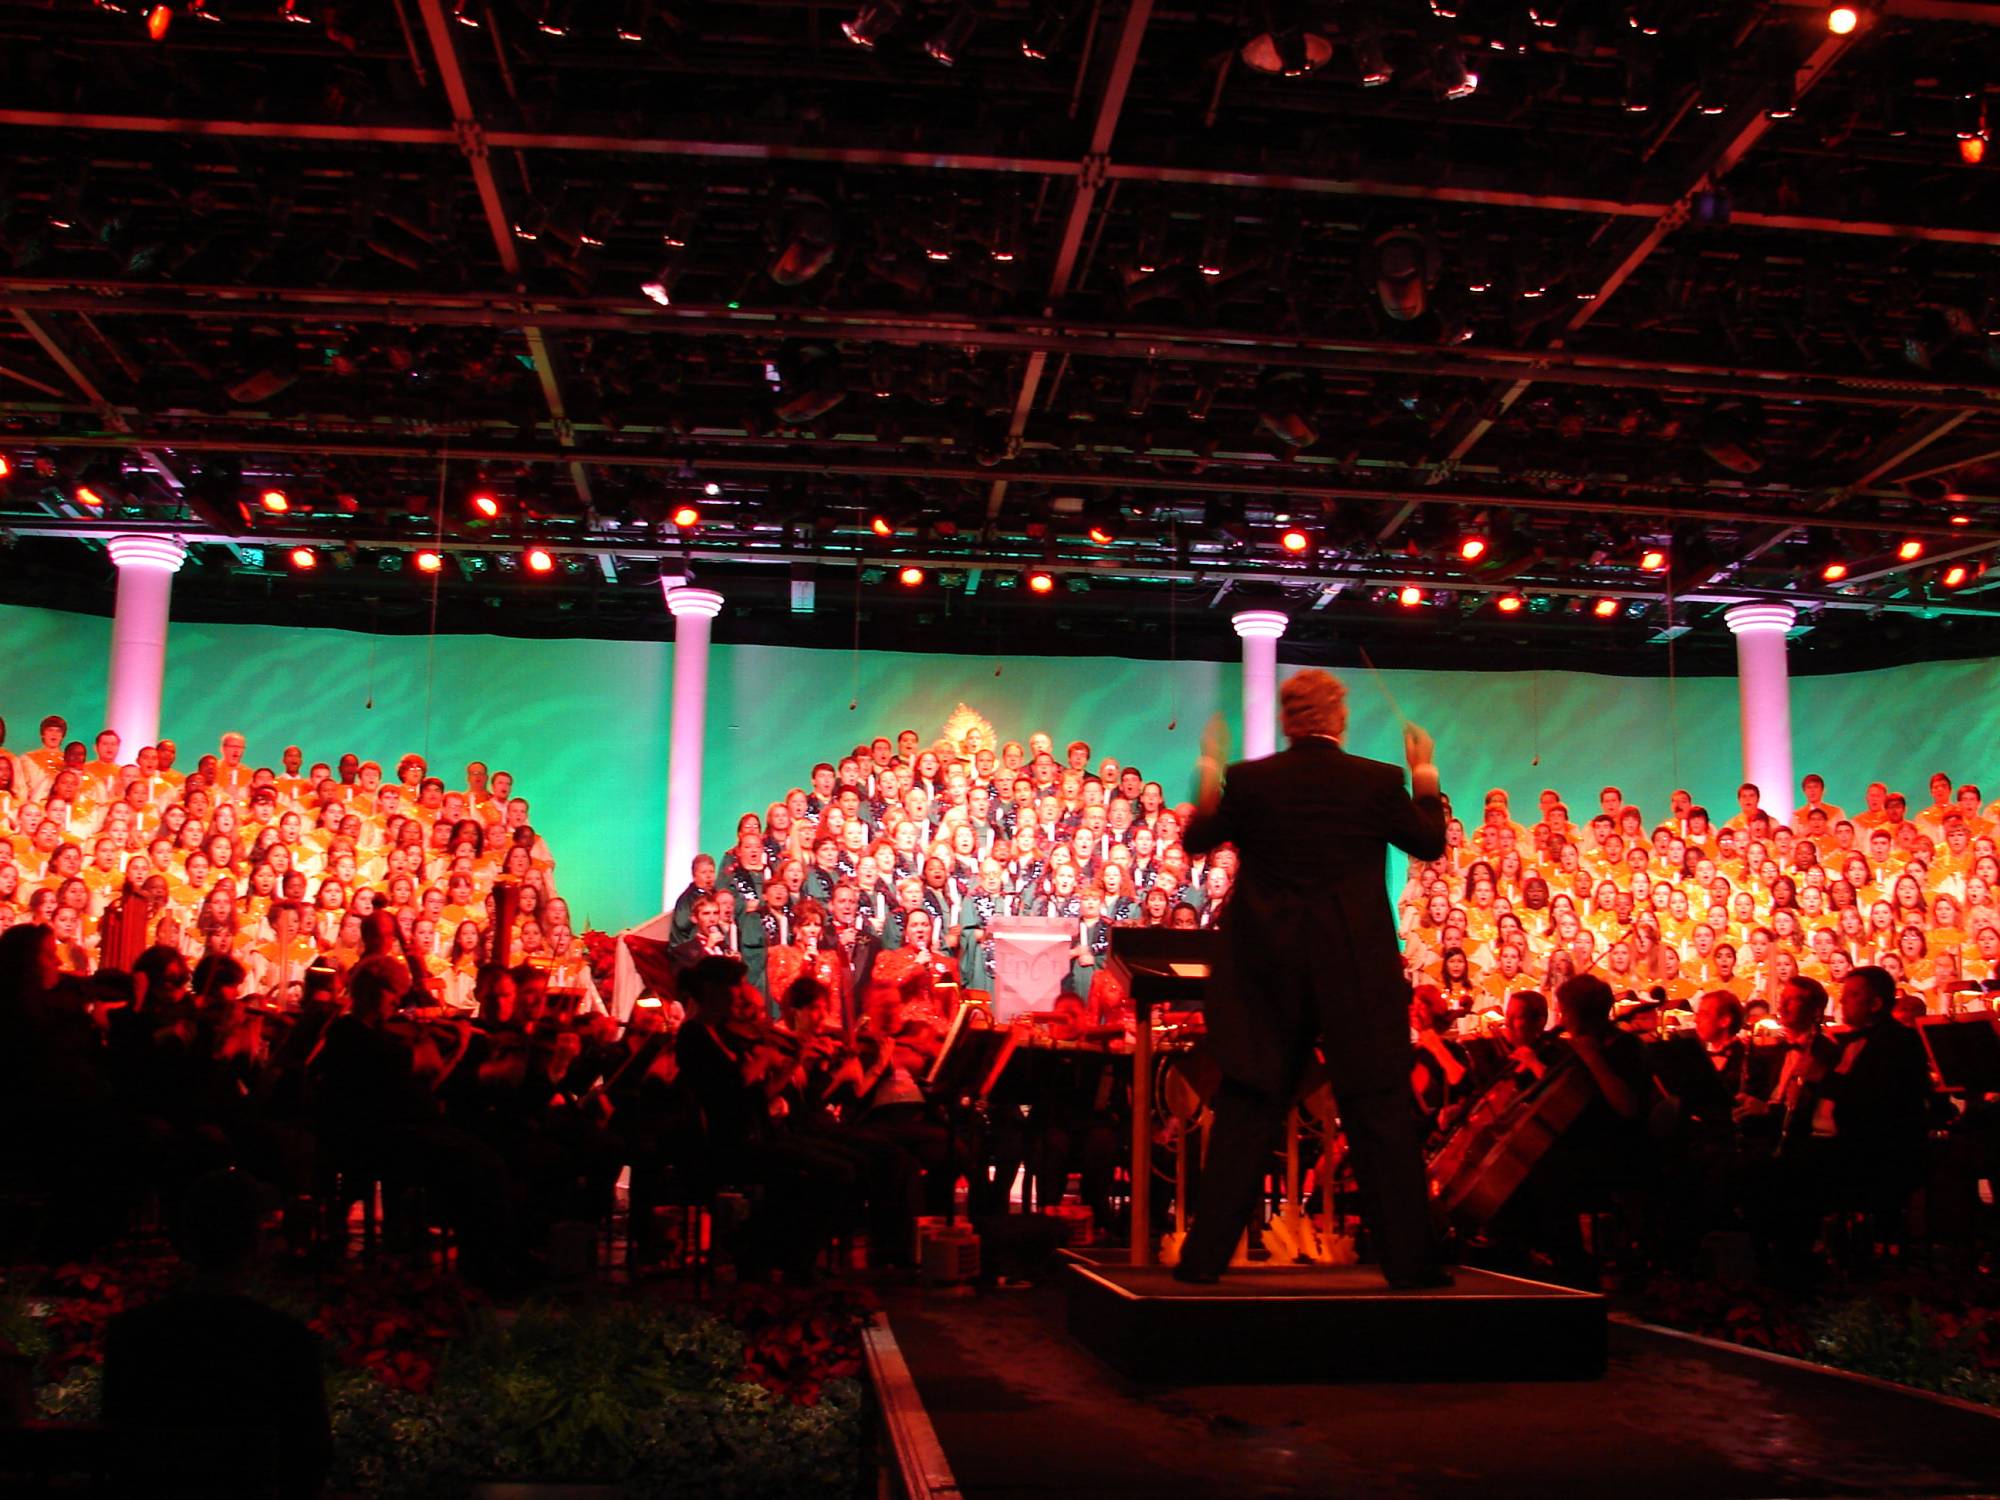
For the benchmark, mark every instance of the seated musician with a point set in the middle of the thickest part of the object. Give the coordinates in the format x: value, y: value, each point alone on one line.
x: 1871, y: 1109
x: 728, y: 1075
x: 1527, y: 1043
x: 1440, y: 1070
x: 1702, y: 1071
x: 1603, y: 1150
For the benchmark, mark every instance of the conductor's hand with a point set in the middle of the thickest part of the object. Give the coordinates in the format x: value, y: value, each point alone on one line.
x: 1418, y: 748
x: 1215, y: 740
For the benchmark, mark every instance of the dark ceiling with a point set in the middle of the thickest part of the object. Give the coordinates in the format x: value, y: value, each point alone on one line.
x: 1701, y: 278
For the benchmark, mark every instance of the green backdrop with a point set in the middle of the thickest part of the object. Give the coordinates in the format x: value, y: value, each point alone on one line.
x: 583, y: 723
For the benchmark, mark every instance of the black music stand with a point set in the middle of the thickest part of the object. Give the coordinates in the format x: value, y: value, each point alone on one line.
x: 959, y: 1079
x: 1160, y: 966
x: 1964, y: 1052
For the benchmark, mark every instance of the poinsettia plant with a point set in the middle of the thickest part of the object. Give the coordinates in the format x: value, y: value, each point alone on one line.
x: 602, y: 949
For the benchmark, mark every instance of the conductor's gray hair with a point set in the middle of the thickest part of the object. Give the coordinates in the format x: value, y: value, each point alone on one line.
x: 1312, y: 702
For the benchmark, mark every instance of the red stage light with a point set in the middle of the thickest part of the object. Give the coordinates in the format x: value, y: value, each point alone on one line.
x: 1040, y: 582
x: 1409, y: 596
x: 1509, y: 604
x: 1294, y: 540
x: 1834, y: 571
x: 1911, y: 550
x: 1100, y: 535
x: 1652, y: 560
x: 1604, y: 609
x: 540, y: 560
x: 6, y: 467
x: 304, y: 559
x: 277, y: 502
x: 430, y: 562
x: 711, y: 489
x: 1472, y: 548
x: 1972, y: 149
x: 158, y: 20
x: 686, y: 517
x: 1957, y: 518
x: 1842, y: 19
x: 1955, y: 575
x: 85, y: 495
x: 910, y: 577
x: 485, y: 503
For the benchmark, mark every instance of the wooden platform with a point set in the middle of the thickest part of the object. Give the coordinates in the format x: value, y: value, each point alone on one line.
x: 1316, y: 1323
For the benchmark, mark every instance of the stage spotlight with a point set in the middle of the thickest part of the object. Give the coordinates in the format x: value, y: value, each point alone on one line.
x: 1653, y: 560
x: 430, y: 562
x: 872, y: 22
x: 1047, y: 22
x: 1409, y: 596
x: 275, y: 502
x: 1911, y: 549
x: 1842, y: 19
x: 881, y: 525
x: 910, y: 577
x: 1406, y: 267
x: 659, y: 287
x: 1102, y: 533
x: 804, y: 237
x: 1956, y: 518
x: 1955, y: 575
x: 484, y: 503
x: 539, y: 560
x: 1604, y: 609
x: 6, y: 467
x: 461, y: 12
x: 1455, y: 80
x: 1371, y: 59
x: 1472, y: 547
x: 1285, y: 42
x: 1294, y: 540
x: 947, y: 45
x: 1509, y: 604
x: 84, y: 494
x: 687, y: 517
x: 638, y: 15
x: 711, y: 489
x: 1041, y: 581
x: 1833, y: 571
x: 158, y: 21
x: 1972, y: 149
x: 304, y: 559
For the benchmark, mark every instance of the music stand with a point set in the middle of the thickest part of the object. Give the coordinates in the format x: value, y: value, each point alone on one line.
x: 1160, y: 966
x: 965, y: 1068
x: 1964, y: 1054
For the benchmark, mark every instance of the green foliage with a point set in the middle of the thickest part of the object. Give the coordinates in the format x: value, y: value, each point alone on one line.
x: 1911, y: 1345
x: 650, y: 1397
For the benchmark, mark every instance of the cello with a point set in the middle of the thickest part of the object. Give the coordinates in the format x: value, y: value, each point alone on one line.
x: 1489, y: 1153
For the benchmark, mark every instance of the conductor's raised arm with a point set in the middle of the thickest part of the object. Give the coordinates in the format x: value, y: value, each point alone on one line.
x: 1416, y: 821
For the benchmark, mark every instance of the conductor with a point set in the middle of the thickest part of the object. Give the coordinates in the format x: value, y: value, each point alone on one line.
x: 1309, y: 955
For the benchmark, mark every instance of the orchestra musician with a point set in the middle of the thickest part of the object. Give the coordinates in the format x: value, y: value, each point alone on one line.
x: 1309, y: 952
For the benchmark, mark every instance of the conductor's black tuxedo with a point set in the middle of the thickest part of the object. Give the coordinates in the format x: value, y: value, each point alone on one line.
x: 1309, y: 953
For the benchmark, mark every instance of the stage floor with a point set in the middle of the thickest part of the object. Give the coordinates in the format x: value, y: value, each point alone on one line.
x: 1025, y: 1413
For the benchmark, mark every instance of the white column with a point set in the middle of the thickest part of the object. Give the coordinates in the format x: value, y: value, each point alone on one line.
x: 1260, y: 629
x: 146, y: 568
x: 1764, y: 686
x: 692, y: 609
